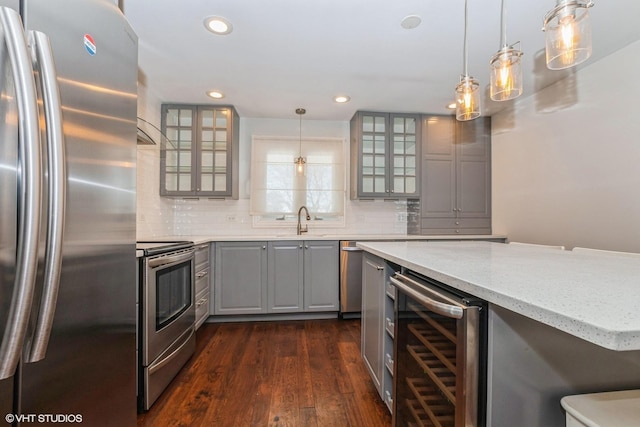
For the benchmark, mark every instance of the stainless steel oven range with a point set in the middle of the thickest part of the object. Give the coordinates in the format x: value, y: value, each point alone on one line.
x: 166, y: 315
x: 440, y: 354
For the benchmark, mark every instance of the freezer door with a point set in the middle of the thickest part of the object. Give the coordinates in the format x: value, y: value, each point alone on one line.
x: 8, y: 200
x: 8, y: 204
x: 89, y: 367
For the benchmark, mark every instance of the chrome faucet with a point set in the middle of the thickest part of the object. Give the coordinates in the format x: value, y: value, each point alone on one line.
x: 306, y: 226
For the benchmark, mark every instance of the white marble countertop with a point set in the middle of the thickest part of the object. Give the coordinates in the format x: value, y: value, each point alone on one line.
x: 313, y: 236
x: 592, y: 296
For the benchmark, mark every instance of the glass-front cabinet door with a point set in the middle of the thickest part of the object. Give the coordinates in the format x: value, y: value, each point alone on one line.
x: 374, y: 154
x: 177, y: 154
x: 403, y: 178
x: 214, y: 150
x: 385, y: 155
x: 199, y: 157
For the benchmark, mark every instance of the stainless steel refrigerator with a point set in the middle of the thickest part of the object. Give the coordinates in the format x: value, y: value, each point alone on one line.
x: 67, y: 213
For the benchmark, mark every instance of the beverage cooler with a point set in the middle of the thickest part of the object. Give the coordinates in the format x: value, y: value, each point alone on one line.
x: 440, y: 355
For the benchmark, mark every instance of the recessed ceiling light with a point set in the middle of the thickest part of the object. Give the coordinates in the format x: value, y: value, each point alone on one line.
x: 215, y: 94
x: 410, y: 22
x: 341, y: 99
x: 218, y: 25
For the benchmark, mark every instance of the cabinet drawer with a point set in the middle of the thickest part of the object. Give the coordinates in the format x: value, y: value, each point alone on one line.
x: 390, y: 290
x: 202, y: 255
x: 388, y: 400
x: 455, y: 223
x: 202, y: 307
x: 389, y: 325
x: 388, y: 362
x: 202, y: 279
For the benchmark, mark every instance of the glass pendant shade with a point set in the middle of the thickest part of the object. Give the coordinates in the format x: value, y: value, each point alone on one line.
x: 467, y: 93
x: 467, y: 99
x: 300, y: 161
x: 568, y: 34
x: 506, y: 74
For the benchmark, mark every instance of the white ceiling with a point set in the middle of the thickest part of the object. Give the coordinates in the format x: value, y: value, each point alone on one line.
x: 284, y: 54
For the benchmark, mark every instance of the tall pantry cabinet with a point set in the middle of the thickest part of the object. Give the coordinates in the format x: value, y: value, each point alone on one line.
x: 456, y: 176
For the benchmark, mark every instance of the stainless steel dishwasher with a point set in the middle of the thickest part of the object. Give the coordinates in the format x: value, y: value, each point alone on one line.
x: 350, y: 279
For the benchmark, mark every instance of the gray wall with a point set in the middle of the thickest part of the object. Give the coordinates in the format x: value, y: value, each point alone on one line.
x: 566, y: 160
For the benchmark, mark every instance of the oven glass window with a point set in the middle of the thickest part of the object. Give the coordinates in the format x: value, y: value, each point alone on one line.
x: 173, y: 293
x: 426, y: 366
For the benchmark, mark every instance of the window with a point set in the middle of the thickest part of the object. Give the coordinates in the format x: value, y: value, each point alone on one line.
x: 277, y: 191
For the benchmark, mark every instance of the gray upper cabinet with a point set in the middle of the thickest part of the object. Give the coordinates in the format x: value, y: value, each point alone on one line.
x: 385, y: 154
x: 285, y: 283
x: 456, y: 176
x: 240, y: 278
x: 200, y: 157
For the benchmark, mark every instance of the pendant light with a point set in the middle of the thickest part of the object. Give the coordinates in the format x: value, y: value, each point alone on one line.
x: 467, y: 93
x: 300, y: 161
x: 567, y: 30
x: 506, y: 67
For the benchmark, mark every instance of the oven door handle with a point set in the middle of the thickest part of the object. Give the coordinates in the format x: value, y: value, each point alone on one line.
x: 159, y: 262
x: 438, y: 307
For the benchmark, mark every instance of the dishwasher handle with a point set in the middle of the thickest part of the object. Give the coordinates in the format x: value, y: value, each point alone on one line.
x: 351, y: 249
x: 447, y: 310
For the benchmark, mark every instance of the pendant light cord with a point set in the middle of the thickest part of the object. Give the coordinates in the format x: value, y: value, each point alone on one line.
x: 300, y: 148
x: 503, y: 25
x: 464, y: 59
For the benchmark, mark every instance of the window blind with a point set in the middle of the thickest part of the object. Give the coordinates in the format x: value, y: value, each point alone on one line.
x: 277, y: 189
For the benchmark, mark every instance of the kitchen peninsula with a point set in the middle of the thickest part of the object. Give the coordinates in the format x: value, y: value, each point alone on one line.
x: 560, y: 322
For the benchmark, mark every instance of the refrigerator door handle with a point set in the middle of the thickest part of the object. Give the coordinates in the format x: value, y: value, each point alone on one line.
x: 30, y: 193
x: 45, y: 67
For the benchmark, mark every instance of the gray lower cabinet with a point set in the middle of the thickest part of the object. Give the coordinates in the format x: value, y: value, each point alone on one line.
x: 276, y: 277
x: 372, y: 323
x: 389, y: 337
x: 456, y: 176
x: 240, y: 285
x: 321, y: 288
x: 202, y: 286
x: 285, y: 287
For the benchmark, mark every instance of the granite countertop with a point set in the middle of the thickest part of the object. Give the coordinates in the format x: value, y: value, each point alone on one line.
x: 595, y: 297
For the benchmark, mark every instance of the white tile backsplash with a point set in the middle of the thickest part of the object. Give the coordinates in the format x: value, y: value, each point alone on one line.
x: 161, y: 216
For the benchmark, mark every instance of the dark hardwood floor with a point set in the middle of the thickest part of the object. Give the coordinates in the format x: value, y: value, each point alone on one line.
x: 276, y: 374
